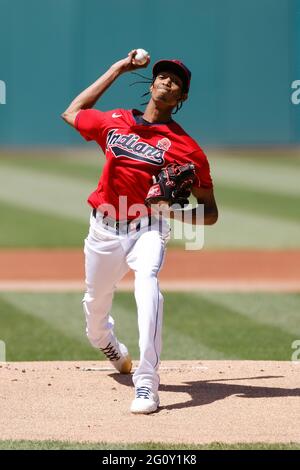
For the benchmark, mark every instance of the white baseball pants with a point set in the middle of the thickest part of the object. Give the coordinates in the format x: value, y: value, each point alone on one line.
x: 108, y: 256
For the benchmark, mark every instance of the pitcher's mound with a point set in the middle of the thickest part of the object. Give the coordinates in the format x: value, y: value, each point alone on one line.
x: 201, y: 402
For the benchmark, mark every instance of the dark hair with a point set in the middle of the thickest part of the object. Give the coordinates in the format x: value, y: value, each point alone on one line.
x: 151, y: 80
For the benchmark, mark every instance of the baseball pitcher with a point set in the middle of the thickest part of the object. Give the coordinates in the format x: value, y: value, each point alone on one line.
x: 149, y: 158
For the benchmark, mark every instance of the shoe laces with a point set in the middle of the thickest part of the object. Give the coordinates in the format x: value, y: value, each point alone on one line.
x: 110, y: 352
x: 143, y: 392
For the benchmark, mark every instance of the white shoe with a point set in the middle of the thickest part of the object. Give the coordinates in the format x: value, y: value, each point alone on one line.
x: 118, y: 354
x: 145, y: 401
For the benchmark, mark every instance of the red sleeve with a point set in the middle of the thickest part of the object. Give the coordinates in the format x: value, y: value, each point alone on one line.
x: 204, y: 179
x: 93, y: 124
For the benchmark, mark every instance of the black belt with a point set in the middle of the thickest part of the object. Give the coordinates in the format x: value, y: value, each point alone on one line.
x: 120, y: 225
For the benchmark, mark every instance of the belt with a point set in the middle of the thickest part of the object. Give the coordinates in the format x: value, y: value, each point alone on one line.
x: 122, y: 226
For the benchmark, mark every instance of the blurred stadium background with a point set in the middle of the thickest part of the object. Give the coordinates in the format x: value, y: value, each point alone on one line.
x: 244, y: 56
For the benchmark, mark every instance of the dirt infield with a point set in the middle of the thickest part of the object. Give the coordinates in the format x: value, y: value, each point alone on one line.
x: 201, y: 402
x: 183, y: 270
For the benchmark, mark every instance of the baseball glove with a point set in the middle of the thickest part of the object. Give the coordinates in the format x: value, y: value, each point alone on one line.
x: 172, y: 185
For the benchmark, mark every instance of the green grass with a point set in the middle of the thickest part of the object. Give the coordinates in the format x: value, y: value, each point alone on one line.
x: 78, y: 164
x: 29, y: 228
x: 30, y: 338
x: 258, y: 195
x: 285, y: 207
x: 64, y: 445
x: 50, y: 326
x: 272, y: 174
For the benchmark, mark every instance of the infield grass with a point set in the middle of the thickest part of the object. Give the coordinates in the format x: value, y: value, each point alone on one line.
x: 51, y: 326
x: 64, y: 445
x: 43, y: 198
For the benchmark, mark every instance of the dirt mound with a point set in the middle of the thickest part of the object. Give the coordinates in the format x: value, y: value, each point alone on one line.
x: 201, y: 402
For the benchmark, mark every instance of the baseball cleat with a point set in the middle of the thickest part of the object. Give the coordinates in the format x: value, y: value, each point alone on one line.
x: 118, y: 355
x: 145, y: 401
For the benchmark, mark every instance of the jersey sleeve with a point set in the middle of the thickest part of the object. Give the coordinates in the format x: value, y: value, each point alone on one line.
x: 93, y: 124
x: 203, y: 176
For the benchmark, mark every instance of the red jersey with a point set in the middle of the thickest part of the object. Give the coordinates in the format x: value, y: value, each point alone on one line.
x: 134, y: 152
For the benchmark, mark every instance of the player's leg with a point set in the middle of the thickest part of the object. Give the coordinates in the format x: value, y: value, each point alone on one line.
x: 105, y: 265
x: 146, y: 258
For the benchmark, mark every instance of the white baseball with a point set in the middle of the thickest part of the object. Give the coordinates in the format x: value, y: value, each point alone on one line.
x: 141, y: 56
